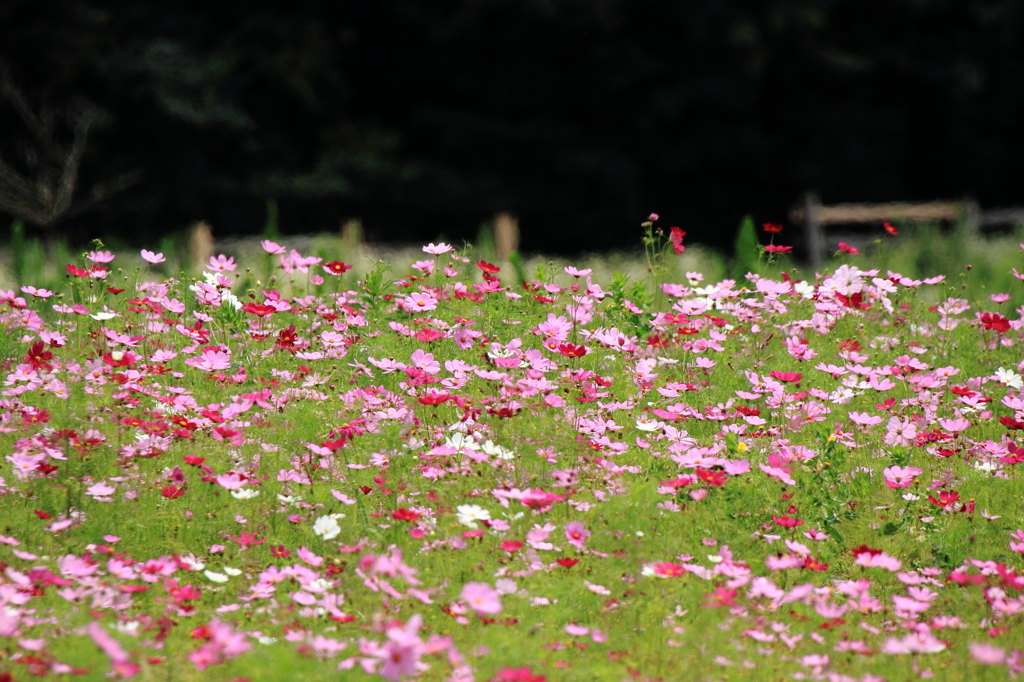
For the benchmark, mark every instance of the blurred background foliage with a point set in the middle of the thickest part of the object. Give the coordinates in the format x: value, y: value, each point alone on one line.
x: 424, y: 118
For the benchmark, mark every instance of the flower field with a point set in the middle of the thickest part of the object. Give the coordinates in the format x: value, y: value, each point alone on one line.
x: 448, y: 473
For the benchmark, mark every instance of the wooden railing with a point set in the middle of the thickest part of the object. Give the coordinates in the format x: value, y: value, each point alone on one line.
x: 814, y: 217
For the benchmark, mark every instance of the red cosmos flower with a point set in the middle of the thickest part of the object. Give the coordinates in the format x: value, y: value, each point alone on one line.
x: 786, y: 377
x: 946, y: 498
x: 995, y: 321
x: 279, y: 552
x: 1015, y: 456
x: 890, y: 229
x: 247, y: 539
x: 114, y: 291
x: 193, y: 460
x: 1011, y: 423
x: 336, y: 267
x: 854, y: 301
x: 669, y: 569
x: 712, y: 478
x: 172, y: 492
x: 537, y: 498
x: 489, y: 268
x: 119, y: 359
x: 286, y: 338
x: 43, y: 515
x: 772, y: 227
x: 259, y: 309
x: 774, y: 248
x: 350, y: 429
x: 864, y: 549
x: 566, y: 562
x: 38, y: 357
x: 523, y: 674
x: 846, y: 248
x: 511, y: 545
x: 721, y: 597
x: 428, y: 335
x: 76, y: 271
x: 435, y: 397
x: 815, y: 564
x: 961, y: 578
x: 403, y: 514
x: 887, y: 404
x: 571, y: 351
x: 334, y: 445
x: 676, y: 236
x: 787, y: 521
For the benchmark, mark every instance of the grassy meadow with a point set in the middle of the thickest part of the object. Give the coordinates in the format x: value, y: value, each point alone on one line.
x: 310, y: 459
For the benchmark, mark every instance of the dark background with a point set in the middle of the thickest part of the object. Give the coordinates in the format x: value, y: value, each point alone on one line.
x: 425, y: 117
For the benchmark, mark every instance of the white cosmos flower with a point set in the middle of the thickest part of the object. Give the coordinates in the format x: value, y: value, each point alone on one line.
x: 232, y: 571
x: 491, y: 448
x: 326, y: 527
x: 103, y: 317
x: 244, y: 494
x: 461, y: 441
x: 469, y: 514
x: 229, y: 299
x: 647, y: 424
x: 1009, y: 378
x: 804, y: 289
x: 216, y: 577
x: 130, y: 628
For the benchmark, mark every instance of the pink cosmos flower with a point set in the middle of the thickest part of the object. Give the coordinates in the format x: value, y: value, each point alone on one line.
x: 482, y: 598
x: 900, y: 432
x: 153, y: 258
x: 100, y: 256
x: 211, y: 361
x: 231, y: 481
x: 878, y: 560
x: 222, y: 263
x: 402, y: 651
x: 437, y: 249
x: 273, y: 248
x: 900, y: 477
x: 576, y: 534
x: 987, y: 654
x: 122, y: 663
x: 914, y: 643
x: 222, y: 643
x: 1017, y: 546
x: 425, y: 361
x: 417, y: 302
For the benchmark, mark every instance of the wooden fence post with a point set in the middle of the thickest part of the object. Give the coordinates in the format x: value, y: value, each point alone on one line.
x: 813, y: 237
x: 506, y: 236
x: 200, y: 244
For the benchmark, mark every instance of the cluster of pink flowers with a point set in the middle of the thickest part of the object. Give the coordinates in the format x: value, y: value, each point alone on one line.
x: 390, y: 476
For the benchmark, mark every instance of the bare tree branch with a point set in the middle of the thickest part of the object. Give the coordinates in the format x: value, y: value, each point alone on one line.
x: 44, y: 193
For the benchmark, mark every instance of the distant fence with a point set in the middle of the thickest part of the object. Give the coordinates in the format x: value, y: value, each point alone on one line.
x: 814, y: 217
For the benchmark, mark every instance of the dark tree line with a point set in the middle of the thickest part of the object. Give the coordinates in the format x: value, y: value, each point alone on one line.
x: 425, y: 117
